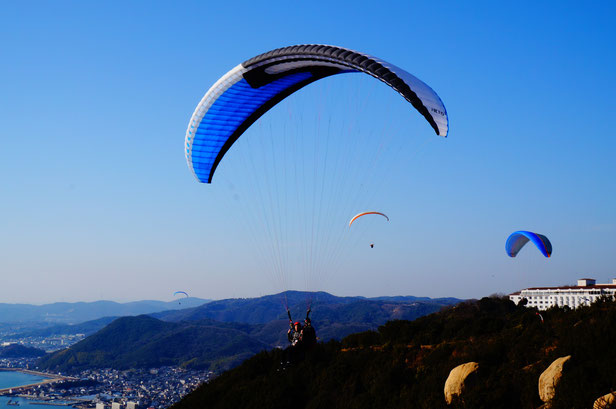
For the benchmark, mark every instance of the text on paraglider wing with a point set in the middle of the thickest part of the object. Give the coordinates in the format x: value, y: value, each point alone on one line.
x: 437, y: 111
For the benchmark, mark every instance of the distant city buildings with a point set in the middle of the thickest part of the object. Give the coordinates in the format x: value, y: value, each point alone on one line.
x: 116, y: 405
x: 46, y: 343
x: 585, y: 292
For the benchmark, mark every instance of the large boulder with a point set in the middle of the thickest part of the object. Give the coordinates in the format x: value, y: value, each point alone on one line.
x: 606, y: 401
x: 550, y: 378
x: 459, y: 379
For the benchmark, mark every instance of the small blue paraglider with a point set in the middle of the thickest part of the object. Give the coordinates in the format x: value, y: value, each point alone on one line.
x: 518, y: 239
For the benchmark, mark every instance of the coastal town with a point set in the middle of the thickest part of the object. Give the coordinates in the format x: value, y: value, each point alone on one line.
x: 105, y: 388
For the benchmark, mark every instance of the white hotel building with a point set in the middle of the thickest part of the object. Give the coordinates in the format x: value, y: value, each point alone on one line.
x: 584, y: 293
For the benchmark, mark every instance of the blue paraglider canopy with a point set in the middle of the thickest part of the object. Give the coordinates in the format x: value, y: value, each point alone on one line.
x: 253, y: 87
x: 518, y: 239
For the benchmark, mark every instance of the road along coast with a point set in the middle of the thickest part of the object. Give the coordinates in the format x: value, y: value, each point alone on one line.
x: 51, y: 378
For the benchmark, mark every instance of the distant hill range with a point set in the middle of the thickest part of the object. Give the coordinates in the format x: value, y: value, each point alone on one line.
x: 78, y: 312
x: 220, y: 334
x: 86, y: 328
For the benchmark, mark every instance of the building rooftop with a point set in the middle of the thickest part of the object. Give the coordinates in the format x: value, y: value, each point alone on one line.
x: 588, y: 286
x: 574, y: 287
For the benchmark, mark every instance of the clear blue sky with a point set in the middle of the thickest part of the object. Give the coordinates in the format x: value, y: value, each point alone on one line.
x: 97, y: 201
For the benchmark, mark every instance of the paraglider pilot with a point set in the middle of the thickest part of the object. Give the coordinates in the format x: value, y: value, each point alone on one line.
x: 295, y: 334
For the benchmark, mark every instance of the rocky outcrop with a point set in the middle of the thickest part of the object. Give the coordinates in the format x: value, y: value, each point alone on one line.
x: 550, y: 378
x: 606, y: 401
x: 459, y: 379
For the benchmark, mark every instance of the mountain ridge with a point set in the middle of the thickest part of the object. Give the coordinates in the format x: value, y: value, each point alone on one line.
x: 148, y: 340
x: 78, y: 312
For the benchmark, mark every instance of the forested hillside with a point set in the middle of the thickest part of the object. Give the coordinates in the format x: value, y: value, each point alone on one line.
x: 405, y: 364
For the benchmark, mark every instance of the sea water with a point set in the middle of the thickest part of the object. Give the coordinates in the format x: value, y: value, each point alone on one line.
x: 11, y: 379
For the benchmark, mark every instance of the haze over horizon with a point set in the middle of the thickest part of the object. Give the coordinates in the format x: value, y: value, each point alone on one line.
x: 98, y: 203
x: 193, y: 298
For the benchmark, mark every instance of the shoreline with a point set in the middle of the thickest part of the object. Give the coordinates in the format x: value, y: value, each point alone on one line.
x: 43, y: 374
x: 32, y: 400
x: 50, y: 378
